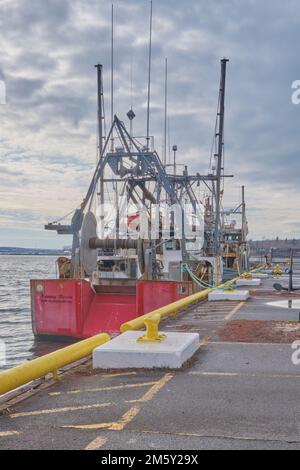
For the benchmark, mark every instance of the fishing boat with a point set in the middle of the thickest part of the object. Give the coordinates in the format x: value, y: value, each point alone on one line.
x: 147, y: 233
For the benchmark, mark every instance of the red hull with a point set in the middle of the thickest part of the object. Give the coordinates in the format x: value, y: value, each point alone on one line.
x: 72, y: 308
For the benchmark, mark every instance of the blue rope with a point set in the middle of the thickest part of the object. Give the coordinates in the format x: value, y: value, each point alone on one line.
x: 197, y: 281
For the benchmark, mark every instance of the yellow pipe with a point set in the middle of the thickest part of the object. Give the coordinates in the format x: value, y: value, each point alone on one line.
x: 50, y: 363
x: 171, y: 309
x: 165, y: 311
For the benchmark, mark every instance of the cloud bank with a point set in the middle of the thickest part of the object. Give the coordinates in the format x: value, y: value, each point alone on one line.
x: 48, y: 143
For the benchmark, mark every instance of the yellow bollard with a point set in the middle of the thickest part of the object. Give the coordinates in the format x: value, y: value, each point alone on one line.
x: 152, y: 335
x: 229, y: 289
x: 55, y: 375
x: 277, y: 270
x: 246, y: 276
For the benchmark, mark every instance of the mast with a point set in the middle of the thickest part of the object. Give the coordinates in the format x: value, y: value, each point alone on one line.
x: 219, y: 155
x: 149, y: 79
x: 112, y: 76
x: 100, y: 123
x: 244, y: 229
x: 243, y: 214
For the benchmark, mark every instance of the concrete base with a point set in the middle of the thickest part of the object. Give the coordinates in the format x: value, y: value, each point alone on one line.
x: 238, y: 295
x: 248, y: 282
x: 261, y: 275
x: 124, y: 352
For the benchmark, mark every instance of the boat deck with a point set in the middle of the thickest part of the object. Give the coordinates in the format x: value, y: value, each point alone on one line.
x: 240, y: 391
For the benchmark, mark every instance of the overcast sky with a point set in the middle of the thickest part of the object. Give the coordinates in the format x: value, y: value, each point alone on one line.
x: 48, y: 125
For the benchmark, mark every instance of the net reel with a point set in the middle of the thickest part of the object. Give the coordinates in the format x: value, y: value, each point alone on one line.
x: 90, y: 244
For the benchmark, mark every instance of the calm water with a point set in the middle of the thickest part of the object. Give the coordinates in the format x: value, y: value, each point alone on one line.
x: 15, y: 314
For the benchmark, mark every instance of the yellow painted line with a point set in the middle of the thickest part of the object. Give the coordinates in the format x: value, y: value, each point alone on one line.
x: 126, y: 419
x: 9, y: 433
x: 89, y: 426
x: 216, y: 374
x: 237, y: 374
x: 60, y: 410
x: 156, y: 388
x: 96, y: 443
x: 204, y: 341
x: 282, y: 376
x: 130, y: 414
x: 122, y: 374
x: 244, y: 343
x: 113, y: 426
x: 214, y: 436
x: 234, y: 311
x: 102, y: 389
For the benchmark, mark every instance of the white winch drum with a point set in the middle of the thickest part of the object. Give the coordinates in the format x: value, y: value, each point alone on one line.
x: 88, y: 257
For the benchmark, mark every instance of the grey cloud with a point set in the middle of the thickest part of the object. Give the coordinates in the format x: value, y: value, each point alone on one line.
x: 22, y: 89
x: 52, y: 46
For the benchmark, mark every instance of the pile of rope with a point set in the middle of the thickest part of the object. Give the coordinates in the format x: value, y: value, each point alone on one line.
x: 195, y: 279
x: 201, y: 283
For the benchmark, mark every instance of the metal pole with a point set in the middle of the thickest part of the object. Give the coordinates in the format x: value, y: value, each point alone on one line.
x: 243, y: 212
x: 112, y: 75
x: 291, y: 271
x: 244, y: 225
x: 166, y: 112
x: 149, y: 79
x: 220, y: 155
x: 100, y: 123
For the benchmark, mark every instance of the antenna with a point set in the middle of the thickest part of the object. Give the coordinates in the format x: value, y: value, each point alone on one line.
x: 169, y: 141
x: 112, y: 75
x: 131, y: 81
x: 166, y: 113
x: 149, y: 77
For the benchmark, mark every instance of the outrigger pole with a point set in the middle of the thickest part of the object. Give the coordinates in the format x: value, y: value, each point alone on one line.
x: 100, y: 123
x: 219, y: 155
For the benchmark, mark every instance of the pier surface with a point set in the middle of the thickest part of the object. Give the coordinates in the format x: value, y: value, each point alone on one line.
x: 240, y: 391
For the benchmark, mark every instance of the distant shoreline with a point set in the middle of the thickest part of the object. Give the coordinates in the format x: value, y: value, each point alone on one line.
x: 33, y: 251
x: 34, y: 254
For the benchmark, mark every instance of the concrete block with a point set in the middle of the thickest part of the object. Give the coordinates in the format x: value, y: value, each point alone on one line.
x: 238, y: 295
x: 124, y: 352
x: 248, y: 282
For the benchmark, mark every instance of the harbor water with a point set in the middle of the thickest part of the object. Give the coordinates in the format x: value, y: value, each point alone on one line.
x: 16, y: 337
